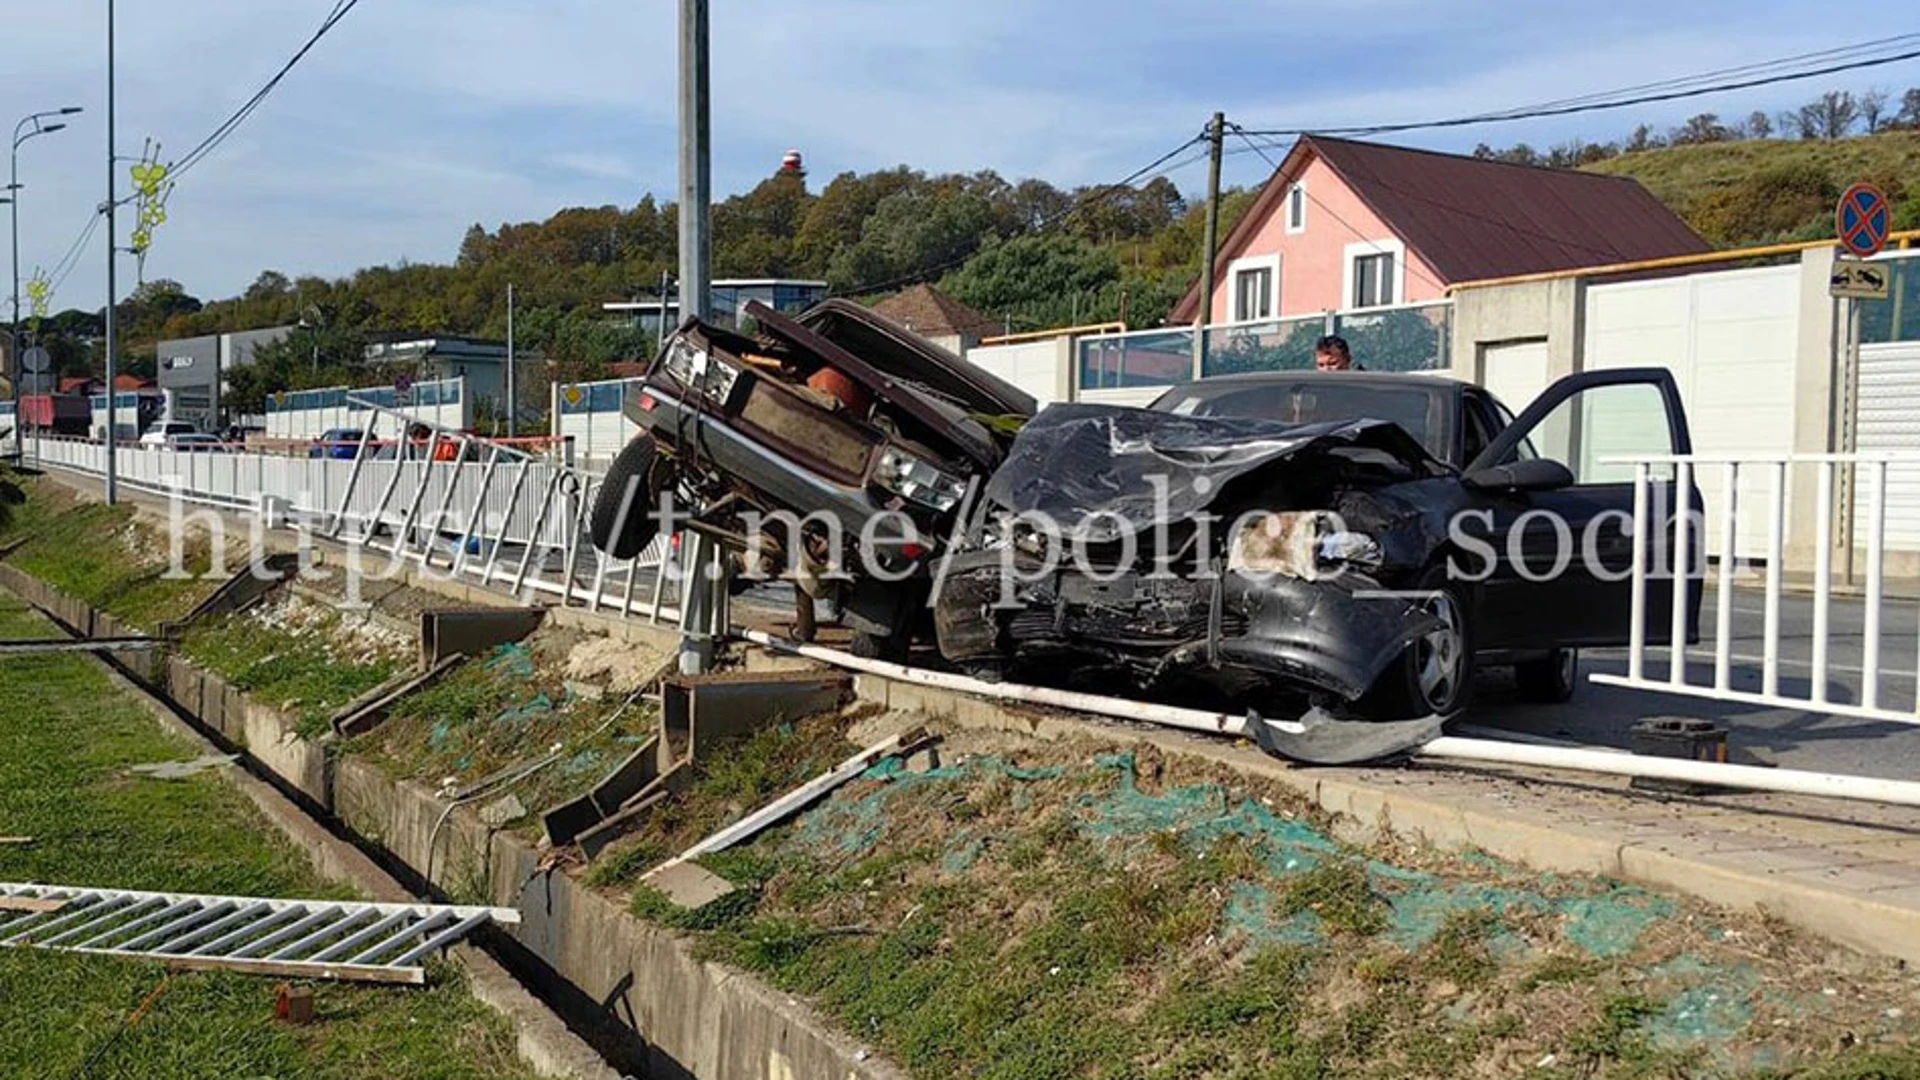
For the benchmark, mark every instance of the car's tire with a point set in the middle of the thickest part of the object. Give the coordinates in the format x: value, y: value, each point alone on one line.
x: 1551, y: 679
x: 1434, y: 676
x: 638, y: 469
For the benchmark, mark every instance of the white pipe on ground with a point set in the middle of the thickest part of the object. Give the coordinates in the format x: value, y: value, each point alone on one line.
x: 1785, y: 781
x: 1445, y: 748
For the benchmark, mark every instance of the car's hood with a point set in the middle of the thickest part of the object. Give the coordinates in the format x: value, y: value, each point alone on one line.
x: 1098, y: 470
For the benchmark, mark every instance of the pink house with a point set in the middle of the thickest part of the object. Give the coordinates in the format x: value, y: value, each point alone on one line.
x: 1344, y: 225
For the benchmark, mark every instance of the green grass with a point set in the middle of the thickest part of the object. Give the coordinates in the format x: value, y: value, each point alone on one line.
x: 83, y: 549
x: 728, y: 783
x: 507, y: 709
x: 67, y: 736
x: 1059, y: 925
x: 307, y: 675
x: 1761, y: 190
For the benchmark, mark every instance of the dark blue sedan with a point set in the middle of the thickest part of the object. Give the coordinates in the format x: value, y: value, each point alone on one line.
x: 340, y: 443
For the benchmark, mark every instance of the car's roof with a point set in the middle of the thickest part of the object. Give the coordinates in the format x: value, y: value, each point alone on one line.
x: 1420, y: 380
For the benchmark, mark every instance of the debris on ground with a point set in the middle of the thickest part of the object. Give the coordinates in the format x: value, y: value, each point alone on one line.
x: 620, y: 666
x: 481, y: 726
x: 180, y: 770
x: 322, y: 939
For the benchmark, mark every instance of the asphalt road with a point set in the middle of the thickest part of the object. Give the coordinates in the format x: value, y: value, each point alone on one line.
x: 1795, y: 738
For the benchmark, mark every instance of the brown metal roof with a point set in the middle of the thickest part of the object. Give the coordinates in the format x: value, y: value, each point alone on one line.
x: 1470, y: 218
x: 924, y: 310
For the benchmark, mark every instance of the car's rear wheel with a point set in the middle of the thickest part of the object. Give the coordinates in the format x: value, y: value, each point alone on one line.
x: 623, y: 522
x: 1434, y: 676
x: 1550, y: 679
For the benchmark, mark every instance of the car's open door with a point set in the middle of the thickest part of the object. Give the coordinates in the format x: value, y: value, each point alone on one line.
x: 1561, y: 574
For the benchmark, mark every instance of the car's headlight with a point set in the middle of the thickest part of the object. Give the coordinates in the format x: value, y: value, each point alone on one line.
x: 917, y: 480
x: 1308, y: 545
x: 697, y: 368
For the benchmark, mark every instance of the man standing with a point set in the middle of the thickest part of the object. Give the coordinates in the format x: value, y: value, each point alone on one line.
x: 1330, y: 353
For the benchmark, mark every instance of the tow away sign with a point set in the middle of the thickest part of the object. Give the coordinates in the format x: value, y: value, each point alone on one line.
x: 1854, y: 279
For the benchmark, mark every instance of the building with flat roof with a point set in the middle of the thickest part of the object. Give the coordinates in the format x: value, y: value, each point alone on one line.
x: 788, y: 296
x: 194, y: 370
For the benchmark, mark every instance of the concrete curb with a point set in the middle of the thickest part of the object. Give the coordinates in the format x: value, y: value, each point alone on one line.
x: 541, y: 1038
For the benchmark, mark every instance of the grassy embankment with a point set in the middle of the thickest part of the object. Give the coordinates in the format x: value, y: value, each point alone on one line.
x: 299, y: 657
x: 1046, y: 910
x: 67, y: 738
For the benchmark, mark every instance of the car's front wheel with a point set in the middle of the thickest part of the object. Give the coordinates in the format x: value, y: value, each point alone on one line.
x: 623, y: 521
x: 1434, y: 676
x: 1551, y: 679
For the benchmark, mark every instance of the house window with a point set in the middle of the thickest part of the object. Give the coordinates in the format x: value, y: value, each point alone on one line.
x: 1373, y: 277
x: 1297, y: 208
x: 1253, y: 294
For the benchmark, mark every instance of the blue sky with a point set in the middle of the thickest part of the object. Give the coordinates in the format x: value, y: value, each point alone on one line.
x: 416, y: 118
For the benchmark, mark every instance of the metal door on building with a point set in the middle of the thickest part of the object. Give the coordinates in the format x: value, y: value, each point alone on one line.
x: 1515, y: 372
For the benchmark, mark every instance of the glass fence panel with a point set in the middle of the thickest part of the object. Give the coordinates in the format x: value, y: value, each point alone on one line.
x: 1897, y: 318
x: 1400, y: 339
x: 1280, y: 345
x: 1151, y: 358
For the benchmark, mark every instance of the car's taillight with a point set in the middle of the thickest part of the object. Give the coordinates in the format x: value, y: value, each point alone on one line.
x: 647, y: 402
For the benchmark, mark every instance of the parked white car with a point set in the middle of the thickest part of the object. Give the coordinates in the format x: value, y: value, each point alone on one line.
x: 164, y: 433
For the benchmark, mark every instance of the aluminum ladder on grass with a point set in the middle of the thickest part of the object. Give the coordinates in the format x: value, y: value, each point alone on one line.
x: 315, y: 939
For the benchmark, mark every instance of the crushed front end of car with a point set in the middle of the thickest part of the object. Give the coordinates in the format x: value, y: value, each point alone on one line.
x: 1130, y: 544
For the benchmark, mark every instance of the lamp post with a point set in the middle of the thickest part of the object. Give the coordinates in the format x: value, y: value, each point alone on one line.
x: 21, y: 133
x: 313, y: 327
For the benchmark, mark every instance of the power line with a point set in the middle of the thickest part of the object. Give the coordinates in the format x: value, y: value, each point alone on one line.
x: 1531, y: 113
x: 71, y: 259
x: 1087, y: 199
x: 219, y: 135
x: 1721, y: 73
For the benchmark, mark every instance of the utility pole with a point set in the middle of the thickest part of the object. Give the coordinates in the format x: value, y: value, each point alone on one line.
x: 1216, y: 135
x: 113, y: 285
x: 702, y: 615
x: 513, y: 391
x: 696, y: 163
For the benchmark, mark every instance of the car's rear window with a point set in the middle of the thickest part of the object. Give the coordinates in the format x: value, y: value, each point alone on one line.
x: 1318, y: 401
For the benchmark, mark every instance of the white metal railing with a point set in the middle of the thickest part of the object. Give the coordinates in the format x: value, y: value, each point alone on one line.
x: 1838, y: 479
x: 454, y: 503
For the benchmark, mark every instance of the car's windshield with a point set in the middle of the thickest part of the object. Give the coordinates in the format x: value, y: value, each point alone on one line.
x: 1315, y: 401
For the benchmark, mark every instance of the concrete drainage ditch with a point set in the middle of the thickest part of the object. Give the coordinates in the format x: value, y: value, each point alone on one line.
x: 635, y: 991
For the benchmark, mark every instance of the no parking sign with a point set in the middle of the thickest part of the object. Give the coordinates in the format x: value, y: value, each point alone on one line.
x: 1863, y: 220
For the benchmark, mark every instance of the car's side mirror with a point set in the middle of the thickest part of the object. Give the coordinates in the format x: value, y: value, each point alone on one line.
x: 1533, y: 474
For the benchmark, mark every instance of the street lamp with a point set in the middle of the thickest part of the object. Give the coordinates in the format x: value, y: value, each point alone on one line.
x: 21, y: 134
x: 312, y: 327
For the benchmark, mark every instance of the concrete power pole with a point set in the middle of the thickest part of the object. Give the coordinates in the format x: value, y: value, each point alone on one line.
x: 513, y: 391
x: 702, y: 563
x: 1216, y: 135
x: 696, y: 163
x: 113, y: 285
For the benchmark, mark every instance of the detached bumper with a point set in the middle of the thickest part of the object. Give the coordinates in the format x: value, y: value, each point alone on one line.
x: 1332, y: 636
